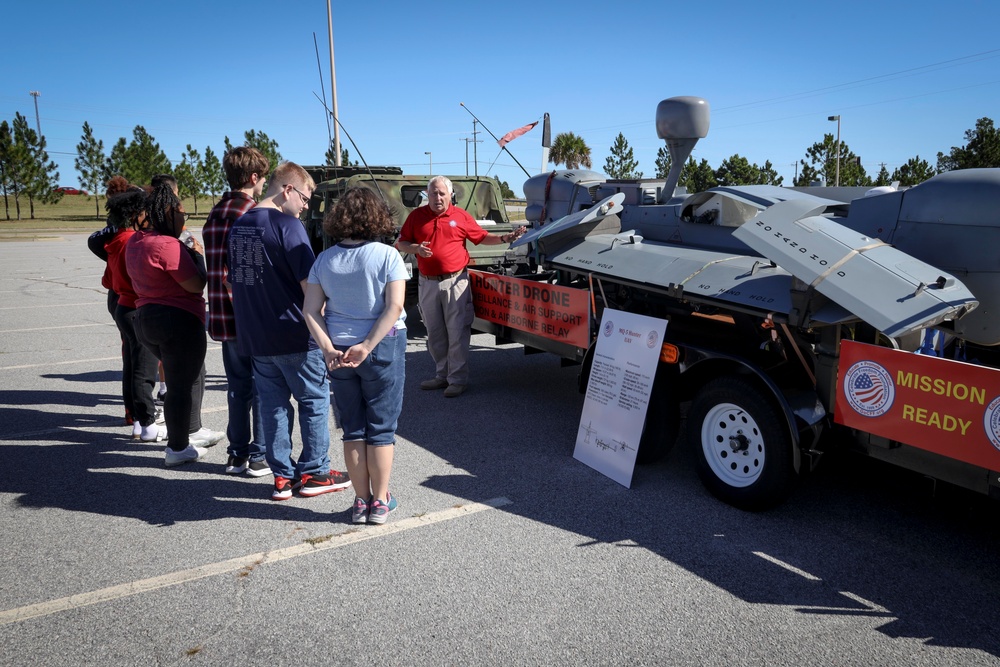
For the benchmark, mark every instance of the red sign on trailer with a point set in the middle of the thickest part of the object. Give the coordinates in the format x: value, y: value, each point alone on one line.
x: 948, y: 407
x: 558, y: 313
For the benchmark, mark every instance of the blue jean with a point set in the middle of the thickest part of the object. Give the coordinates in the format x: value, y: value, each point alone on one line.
x: 279, y: 378
x: 369, y: 398
x: 244, y: 441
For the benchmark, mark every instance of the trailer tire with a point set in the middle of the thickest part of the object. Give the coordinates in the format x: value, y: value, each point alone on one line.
x: 743, y: 446
x: 663, y: 417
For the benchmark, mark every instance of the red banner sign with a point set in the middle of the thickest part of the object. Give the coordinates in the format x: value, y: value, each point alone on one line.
x: 948, y: 407
x: 551, y: 311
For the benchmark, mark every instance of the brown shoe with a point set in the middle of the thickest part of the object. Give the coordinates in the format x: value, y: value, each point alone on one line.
x: 434, y: 383
x: 454, y: 390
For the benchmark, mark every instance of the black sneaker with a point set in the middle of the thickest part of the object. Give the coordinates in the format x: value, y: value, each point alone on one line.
x: 282, y: 488
x: 236, y: 465
x: 314, y: 485
x: 258, y: 468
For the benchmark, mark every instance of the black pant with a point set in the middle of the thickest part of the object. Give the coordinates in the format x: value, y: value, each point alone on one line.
x: 139, y: 367
x: 126, y: 384
x: 177, y: 338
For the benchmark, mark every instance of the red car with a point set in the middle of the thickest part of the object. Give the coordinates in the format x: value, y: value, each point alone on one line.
x: 71, y: 191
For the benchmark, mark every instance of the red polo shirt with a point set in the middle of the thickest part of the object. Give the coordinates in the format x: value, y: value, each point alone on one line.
x: 447, y: 234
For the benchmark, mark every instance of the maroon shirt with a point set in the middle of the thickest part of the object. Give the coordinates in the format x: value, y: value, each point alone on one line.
x: 215, y: 233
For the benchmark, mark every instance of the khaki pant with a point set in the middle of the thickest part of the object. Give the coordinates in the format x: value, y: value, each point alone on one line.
x: 447, y: 310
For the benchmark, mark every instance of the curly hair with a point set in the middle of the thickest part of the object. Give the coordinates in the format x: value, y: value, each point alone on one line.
x: 359, y: 214
x: 159, y: 205
x: 124, y: 208
x: 116, y: 185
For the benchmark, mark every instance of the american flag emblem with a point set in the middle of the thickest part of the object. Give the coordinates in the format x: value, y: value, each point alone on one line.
x: 868, y: 389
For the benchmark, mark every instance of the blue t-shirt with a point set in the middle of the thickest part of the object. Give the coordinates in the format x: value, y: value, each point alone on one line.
x: 354, y: 279
x: 269, y: 257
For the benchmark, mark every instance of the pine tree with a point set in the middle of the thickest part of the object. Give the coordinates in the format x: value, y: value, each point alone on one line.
x: 115, y: 165
x: 822, y: 164
x: 621, y: 163
x: 90, y: 162
x: 697, y: 177
x: 883, y: 177
x: 214, y: 178
x: 189, y: 174
x: 38, y: 177
x: 6, y: 166
x: 982, y: 149
x: 662, y: 162
x: 914, y: 172
x: 144, y: 158
x: 261, y: 142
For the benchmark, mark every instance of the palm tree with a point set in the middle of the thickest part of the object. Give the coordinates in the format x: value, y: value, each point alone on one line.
x: 570, y: 150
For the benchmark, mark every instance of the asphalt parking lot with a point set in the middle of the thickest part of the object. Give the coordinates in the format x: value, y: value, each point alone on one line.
x: 504, y: 549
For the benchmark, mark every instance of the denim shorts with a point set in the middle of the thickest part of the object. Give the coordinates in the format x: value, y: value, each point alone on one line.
x: 369, y: 398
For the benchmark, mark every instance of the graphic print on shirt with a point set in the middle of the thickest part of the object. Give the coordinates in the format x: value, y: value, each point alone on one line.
x: 246, y: 266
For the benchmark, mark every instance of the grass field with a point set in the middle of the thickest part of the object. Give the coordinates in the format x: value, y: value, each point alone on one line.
x: 73, y: 213
x: 78, y: 213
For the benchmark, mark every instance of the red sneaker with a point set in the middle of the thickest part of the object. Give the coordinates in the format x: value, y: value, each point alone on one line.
x: 314, y: 485
x: 282, y: 488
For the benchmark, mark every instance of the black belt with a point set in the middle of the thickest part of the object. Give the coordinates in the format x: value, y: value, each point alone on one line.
x: 444, y: 276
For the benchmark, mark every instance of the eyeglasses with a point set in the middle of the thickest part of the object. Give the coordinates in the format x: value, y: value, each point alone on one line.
x: 183, y: 214
x: 305, y: 199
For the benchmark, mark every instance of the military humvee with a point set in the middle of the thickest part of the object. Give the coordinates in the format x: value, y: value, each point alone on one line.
x: 480, y: 196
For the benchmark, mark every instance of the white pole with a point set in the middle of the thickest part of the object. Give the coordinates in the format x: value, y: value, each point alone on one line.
x: 333, y: 90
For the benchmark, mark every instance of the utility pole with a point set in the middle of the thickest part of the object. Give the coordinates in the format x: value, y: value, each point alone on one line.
x: 837, y: 118
x: 467, y: 140
x: 38, y: 122
x: 333, y: 91
x: 475, y: 152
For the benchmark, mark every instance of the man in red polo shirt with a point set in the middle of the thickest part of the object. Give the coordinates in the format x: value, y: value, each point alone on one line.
x: 436, y: 234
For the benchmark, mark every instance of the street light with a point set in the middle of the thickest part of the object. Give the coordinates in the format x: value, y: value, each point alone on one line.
x: 430, y: 163
x: 837, y: 118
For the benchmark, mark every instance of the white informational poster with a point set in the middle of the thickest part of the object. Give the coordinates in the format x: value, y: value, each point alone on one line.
x: 621, y: 378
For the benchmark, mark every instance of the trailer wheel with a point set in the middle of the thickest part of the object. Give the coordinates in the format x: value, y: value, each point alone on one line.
x: 659, y: 433
x: 744, y: 449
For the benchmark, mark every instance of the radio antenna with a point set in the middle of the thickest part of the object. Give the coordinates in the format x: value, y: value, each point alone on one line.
x: 329, y: 137
x: 360, y: 156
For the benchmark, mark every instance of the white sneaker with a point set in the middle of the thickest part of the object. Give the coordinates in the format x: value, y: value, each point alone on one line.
x: 204, y: 437
x: 136, y: 430
x: 151, y: 433
x: 191, y: 453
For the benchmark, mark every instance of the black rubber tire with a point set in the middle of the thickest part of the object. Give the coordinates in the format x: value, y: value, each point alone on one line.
x: 742, y: 444
x: 663, y: 418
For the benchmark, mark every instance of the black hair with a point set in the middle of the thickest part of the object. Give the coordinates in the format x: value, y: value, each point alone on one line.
x: 124, y: 208
x: 159, y: 204
x: 160, y: 179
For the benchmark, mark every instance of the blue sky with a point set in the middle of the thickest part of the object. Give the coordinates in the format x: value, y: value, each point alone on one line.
x: 907, y: 78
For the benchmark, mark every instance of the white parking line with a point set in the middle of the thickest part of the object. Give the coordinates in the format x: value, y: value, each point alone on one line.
x: 243, y: 564
x: 790, y: 568
x: 59, y: 363
x: 47, y: 306
x: 67, y: 326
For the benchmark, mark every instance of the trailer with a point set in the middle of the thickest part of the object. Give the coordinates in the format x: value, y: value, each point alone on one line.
x: 791, y: 314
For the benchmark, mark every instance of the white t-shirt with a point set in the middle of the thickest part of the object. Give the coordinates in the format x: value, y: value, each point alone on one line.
x: 354, y: 279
